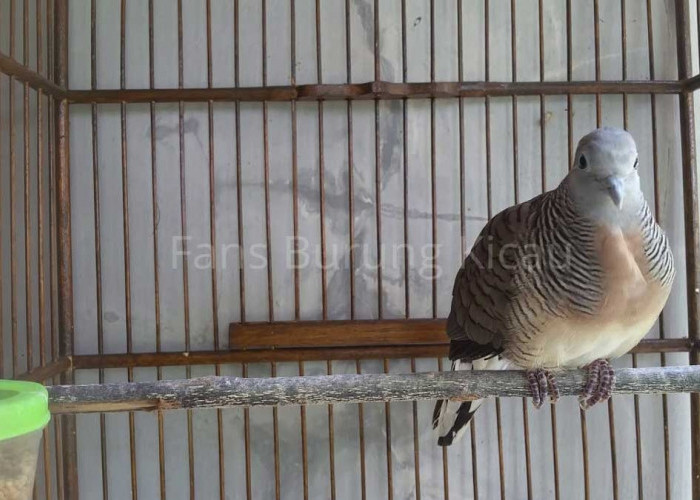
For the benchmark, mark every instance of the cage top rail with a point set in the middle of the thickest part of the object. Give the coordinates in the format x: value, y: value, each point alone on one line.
x: 376, y: 90
x: 222, y: 392
x: 345, y: 91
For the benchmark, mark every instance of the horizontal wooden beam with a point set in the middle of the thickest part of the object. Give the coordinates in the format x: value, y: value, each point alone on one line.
x: 222, y: 392
x: 283, y: 334
x: 374, y: 90
x: 156, y: 359
x: 23, y: 74
x: 47, y: 372
x: 364, y: 333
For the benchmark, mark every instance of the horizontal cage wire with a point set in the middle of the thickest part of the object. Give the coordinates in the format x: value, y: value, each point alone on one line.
x: 267, y: 190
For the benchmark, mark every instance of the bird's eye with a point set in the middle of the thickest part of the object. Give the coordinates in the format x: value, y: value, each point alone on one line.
x: 636, y: 163
x: 582, y: 162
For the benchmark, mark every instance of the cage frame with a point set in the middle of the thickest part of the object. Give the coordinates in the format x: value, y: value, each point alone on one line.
x: 56, y: 88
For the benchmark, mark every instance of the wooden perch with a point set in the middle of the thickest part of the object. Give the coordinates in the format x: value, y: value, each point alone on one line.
x: 221, y: 392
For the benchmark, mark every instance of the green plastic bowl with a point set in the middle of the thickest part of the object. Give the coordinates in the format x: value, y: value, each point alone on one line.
x: 24, y: 412
x: 24, y: 408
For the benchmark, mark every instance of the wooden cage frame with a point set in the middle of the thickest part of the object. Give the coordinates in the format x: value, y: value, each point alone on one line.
x: 246, y: 342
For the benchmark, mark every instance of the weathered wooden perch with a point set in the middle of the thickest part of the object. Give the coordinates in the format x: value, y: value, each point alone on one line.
x: 220, y: 392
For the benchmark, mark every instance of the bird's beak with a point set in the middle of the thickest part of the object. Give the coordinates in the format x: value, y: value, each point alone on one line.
x: 615, y: 190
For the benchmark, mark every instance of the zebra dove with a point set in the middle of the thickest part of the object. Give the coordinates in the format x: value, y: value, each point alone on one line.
x: 571, y: 278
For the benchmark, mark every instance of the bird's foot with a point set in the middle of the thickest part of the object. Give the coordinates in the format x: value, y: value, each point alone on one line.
x: 542, y: 384
x: 601, y: 382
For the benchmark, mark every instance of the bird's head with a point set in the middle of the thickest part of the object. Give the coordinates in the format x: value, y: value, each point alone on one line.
x: 604, y: 180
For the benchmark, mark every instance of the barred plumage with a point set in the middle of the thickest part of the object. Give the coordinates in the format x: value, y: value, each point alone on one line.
x: 576, y: 274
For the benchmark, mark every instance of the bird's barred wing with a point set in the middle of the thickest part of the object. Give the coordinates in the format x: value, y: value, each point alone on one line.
x: 483, y: 288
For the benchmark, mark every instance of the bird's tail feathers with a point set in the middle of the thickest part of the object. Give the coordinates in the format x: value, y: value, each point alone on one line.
x: 451, y: 418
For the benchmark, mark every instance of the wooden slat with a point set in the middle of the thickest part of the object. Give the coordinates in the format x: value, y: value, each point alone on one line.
x: 368, y: 333
x: 284, y: 334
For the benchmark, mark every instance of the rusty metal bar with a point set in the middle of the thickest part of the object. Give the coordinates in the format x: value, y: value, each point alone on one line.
x: 41, y: 200
x: 543, y: 157
x: 183, y: 230
x: 570, y: 129
x: 321, y: 169
x: 214, y: 267
x: 378, y: 167
x: 275, y: 441
x: 378, y: 220
x: 611, y: 401
x: 376, y: 90
x: 246, y: 439
x: 692, y: 232
x: 3, y: 368
x: 41, y: 292
x: 295, y: 231
x: 691, y: 84
x: 380, y: 90
x: 126, y: 236
x: 351, y: 185
x: 514, y: 77
x: 416, y: 445
x: 445, y: 463
x: 155, y: 359
x: 304, y: 444
x: 28, y: 326
x: 406, y: 253
x: 64, y: 254
x: 9, y: 66
x: 256, y: 356
x: 47, y: 371
x: 638, y: 440
x: 657, y: 213
x: 361, y: 432
x: 53, y: 243
x: 13, y: 197
x: 239, y: 212
x: 97, y: 236
x: 268, y: 238
x: 156, y: 267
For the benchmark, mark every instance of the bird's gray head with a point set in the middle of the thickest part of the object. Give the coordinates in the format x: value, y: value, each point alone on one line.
x: 604, y: 181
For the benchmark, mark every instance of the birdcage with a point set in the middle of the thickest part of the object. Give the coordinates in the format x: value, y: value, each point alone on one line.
x: 245, y: 190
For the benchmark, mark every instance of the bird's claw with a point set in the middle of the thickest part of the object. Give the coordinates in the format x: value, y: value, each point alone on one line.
x: 542, y: 384
x: 600, y: 384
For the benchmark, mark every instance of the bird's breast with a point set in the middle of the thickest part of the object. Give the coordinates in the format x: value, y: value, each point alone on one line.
x: 629, y: 293
x: 630, y: 304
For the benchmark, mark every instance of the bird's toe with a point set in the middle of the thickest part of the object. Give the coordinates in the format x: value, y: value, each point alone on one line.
x: 600, y: 384
x: 540, y: 385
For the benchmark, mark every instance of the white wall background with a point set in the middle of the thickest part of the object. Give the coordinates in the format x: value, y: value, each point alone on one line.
x: 199, y: 462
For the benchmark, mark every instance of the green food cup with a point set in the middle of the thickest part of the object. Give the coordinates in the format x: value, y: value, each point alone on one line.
x: 24, y: 412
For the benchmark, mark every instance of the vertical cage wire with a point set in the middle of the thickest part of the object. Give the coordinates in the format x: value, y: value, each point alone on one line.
x: 28, y: 337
